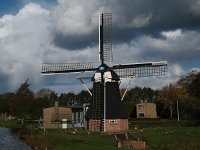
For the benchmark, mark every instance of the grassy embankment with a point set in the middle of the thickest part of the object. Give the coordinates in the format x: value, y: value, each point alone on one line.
x: 159, y: 134
x: 10, y: 124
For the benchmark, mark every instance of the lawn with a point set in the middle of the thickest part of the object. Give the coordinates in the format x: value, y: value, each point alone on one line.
x: 80, y: 140
x: 158, y: 134
x: 171, y: 138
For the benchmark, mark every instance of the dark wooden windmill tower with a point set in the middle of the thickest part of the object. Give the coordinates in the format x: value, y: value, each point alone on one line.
x: 106, y: 111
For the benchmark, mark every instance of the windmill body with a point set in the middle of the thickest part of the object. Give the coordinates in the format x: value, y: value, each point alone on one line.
x: 106, y: 111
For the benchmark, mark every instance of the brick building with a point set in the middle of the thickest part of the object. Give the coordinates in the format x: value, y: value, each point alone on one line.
x: 146, y: 110
x: 53, y: 117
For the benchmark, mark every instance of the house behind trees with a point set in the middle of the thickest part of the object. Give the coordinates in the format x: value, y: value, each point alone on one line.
x: 146, y: 110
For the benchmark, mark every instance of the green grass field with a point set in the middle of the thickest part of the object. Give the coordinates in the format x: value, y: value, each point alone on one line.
x: 159, y: 135
x: 171, y: 138
x: 81, y: 140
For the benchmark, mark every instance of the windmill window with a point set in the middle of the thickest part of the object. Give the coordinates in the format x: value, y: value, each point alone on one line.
x: 112, y: 121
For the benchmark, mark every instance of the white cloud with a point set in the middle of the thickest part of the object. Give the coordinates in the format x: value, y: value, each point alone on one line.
x: 27, y: 38
x: 195, y: 69
x: 172, y: 35
x: 32, y: 9
x: 24, y: 36
x: 176, y: 47
x: 76, y: 17
x: 176, y: 71
x: 26, y: 41
x: 125, y: 53
x: 141, y: 21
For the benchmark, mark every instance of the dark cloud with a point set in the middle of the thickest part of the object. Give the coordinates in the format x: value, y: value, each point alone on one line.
x: 76, y: 42
x: 165, y: 15
x: 133, y: 18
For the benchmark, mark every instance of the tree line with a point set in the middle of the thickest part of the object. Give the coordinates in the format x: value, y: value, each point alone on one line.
x: 24, y: 103
x: 179, y: 99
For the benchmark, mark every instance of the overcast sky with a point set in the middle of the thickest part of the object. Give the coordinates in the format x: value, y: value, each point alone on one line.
x: 33, y: 32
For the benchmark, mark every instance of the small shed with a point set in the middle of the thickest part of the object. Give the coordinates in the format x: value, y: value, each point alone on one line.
x: 55, y: 117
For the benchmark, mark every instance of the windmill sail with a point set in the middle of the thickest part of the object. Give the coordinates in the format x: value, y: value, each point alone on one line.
x: 105, y: 37
x: 58, y: 68
x: 141, y: 69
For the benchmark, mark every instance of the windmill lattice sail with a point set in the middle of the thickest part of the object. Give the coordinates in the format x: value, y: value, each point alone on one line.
x: 105, y: 37
x: 141, y: 69
x: 58, y: 68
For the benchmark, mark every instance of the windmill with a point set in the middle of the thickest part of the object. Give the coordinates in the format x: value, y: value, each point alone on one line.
x: 106, y: 111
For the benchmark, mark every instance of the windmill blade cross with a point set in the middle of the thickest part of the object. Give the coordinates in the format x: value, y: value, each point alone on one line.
x: 58, y: 68
x: 141, y: 69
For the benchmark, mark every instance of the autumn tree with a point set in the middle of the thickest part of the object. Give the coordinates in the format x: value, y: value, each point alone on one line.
x: 21, y: 103
x: 43, y: 92
x: 187, y: 79
x: 171, y: 94
x: 194, y: 87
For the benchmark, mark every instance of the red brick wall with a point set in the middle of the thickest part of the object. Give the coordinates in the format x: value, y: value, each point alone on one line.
x: 120, y: 125
x: 138, y: 144
x: 94, y: 125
